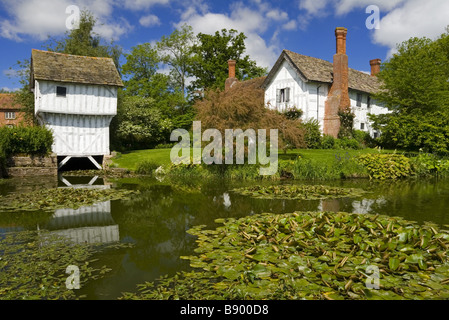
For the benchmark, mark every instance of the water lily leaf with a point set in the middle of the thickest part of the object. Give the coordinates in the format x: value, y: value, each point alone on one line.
x: 394, y: 264
x: 414, y: 258
x: 261, y: 271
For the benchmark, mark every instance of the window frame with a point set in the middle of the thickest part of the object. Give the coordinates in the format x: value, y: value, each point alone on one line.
x: 359, y: 100
x: 10, y: 115
x: 60, y: 94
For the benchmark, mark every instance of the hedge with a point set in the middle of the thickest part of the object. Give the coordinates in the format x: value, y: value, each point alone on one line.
x: 25, y: 140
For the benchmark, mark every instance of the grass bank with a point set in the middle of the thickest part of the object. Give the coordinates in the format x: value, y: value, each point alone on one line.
x: 297, y: 165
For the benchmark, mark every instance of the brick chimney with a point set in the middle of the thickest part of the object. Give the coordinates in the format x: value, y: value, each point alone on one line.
x: 375, y: 66
x: 338, y: 97
x: 231, y: 78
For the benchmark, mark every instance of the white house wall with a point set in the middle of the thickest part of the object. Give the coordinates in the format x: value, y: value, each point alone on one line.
x: 80, y: 99
x: 78, y: 135
x: 80, y: 120
x: 311, y: 98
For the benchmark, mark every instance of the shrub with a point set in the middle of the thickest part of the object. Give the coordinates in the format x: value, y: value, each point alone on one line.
x: 25, y: 140
x: 429, y: 164
x: 387, y: 166
x: 312, y: 134
x: 348, y: 144
x: 327, y: 142
x: 364, y: 138
x: 147, y: 167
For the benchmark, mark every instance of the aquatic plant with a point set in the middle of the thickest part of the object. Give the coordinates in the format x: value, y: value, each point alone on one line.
x: 298, y: 192
x: 33, y: 266
x: 60, y: 198
x: 311, y: 256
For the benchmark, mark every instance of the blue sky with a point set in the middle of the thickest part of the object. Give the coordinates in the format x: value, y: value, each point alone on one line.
x: 303, y: 26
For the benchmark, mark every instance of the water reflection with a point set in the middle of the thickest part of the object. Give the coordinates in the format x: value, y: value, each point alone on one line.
x: 157, y: 219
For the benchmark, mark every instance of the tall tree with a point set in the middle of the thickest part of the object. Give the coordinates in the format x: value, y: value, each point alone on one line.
x: 211, y: 55
x: 416, y: 89
x: 176, y: 52
x: 83, y: 41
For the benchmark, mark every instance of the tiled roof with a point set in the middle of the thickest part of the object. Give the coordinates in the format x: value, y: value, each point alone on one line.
x: 58, y: 67
x: 7, y: 102
x: 313, y: 69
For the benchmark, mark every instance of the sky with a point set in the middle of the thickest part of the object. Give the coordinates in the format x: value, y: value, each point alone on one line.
x: 303, y: 26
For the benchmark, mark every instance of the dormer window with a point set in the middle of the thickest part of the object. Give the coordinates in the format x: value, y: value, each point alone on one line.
x: 61, y: 92
x: 283, y: 95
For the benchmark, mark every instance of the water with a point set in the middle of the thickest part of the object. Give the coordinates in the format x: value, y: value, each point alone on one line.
x: 156, y: 221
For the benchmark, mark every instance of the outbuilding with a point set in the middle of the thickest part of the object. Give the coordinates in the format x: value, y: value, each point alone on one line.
x: 76, y: 98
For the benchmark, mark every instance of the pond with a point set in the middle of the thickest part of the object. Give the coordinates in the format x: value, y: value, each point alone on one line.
x: 156, y: 220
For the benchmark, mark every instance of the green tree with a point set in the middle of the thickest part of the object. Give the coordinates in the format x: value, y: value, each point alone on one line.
x: 176, y: 52
x: 143, y: 79
x: 83, y: 41
x: 415, y: 83
x: 416, y: 78
x: 211, y: 55
x: 139, y: 124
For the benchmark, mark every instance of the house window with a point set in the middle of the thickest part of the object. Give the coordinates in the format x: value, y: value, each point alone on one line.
x: 376, y: 134
x: 283, y: 95
x: 369, y: 102
x: 10, y: 115
x: 362, y: 126
x: 359, y: 99
x: 61, y: 91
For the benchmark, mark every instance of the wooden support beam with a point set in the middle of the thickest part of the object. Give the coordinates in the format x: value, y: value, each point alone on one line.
x: 64, y: 162
x: 95, y: 163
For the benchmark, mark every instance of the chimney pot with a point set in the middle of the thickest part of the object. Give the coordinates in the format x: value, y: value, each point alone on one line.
x: 340, y: 34
x: 375, y: 66
x: 231, y: 64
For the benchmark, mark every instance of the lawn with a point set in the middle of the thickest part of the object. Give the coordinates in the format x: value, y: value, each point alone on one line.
x: 130, y: 160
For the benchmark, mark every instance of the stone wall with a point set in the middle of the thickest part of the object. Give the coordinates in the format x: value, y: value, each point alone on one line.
x: 32, y: 166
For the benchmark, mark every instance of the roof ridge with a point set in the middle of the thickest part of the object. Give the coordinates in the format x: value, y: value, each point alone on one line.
x: 325, y: 61
x: 69, y: 55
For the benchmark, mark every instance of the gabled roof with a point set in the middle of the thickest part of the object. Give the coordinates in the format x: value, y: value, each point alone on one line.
x: 7, y: 102
x: 58, y: 67
x: 318, y: 70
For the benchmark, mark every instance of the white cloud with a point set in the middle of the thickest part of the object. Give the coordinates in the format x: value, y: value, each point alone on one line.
x: 291, y: 25
x: 7, y: 89
x: 150, y: 20
x: 401, y: 19
x: 42, y: 18
x: 252, y: 22
x: 277, y: 15
x: 415, y: 18
x: 143, y: 4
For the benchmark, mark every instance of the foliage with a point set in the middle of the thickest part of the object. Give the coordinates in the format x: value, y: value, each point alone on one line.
x: 348, y: 144
x: 416, y: 89
x: 147, y: 167
x: 210, y: 60
x: 33, y: 265
x: 364, y: 139
x: 428, y: 164
x: 312, y: 134
x: 415, y: 131
x: 176, y: 51
x: 415, y: 78
x: 83, y: 41
x: 242, y: 107
x: 25, y: 140
x: 59, y: 198
x: 139, y: 124
x: 328, y: 142
x: 387, y: 166
x: 312, y: 256
x: 346, y: 124
x: 297, y: 192
x: 293, y: 113
x: 144, y: 80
